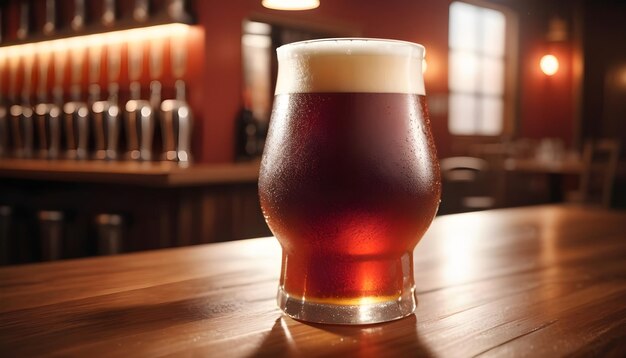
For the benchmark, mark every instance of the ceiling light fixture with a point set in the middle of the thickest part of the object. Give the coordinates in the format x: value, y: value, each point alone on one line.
x: 291, y: 4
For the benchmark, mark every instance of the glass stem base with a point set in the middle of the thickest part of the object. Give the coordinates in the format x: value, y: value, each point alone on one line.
x: 370, y: 313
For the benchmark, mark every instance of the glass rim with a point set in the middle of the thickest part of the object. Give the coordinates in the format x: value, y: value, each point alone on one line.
x: 415, y: 49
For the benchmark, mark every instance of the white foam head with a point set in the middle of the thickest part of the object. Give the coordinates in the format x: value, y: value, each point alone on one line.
x: 350, y: 65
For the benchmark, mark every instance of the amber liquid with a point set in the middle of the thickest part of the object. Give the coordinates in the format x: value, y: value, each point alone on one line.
x: 349, y: 184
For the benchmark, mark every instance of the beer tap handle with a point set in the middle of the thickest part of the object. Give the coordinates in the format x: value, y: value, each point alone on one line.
x: 27, y: 126
x: 147, y: 132
x: 48, y: 117
x: 41, y: 111
x: 82, y: 122
x: 54, y: 134
x: 184, y: 134
x: 132, y: 136
x: 70, y: 133
x: 113, y: 130
x: 167, y: 130
x: 98, y: 110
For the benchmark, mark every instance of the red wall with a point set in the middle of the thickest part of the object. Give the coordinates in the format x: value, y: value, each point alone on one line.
x: 547, y: 107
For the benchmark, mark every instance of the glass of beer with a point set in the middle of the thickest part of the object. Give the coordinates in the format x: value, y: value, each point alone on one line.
x: 349, y: 179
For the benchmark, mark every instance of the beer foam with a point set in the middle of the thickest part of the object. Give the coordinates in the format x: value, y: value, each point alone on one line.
x: 350, y: 65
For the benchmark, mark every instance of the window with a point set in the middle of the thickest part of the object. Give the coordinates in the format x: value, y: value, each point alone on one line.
x: 476, y: 70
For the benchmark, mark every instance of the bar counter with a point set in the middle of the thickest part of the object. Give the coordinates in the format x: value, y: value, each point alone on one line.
x: 533, y: 281
x: 151, y: 174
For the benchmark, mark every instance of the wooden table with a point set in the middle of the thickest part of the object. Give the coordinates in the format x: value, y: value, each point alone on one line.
x: 534, y: 281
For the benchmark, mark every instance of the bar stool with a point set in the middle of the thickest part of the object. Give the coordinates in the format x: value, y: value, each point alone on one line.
x: 110, y: 233
x: 51, y: 234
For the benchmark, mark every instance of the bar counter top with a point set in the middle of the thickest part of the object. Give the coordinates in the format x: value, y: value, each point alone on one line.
x: 156, y: 174
x: 539, y: 281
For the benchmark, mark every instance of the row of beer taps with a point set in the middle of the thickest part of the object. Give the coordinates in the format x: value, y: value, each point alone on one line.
x: 91, y: 126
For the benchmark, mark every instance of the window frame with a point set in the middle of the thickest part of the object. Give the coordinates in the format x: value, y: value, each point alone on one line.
x: 511, y: 75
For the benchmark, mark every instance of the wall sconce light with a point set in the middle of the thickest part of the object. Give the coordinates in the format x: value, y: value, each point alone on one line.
x: 291, y: 4
x: 549, y: 65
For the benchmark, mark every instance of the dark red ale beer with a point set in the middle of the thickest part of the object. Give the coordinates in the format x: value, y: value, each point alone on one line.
x: 349, y: 180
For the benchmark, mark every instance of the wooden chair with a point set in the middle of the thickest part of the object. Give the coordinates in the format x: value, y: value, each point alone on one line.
x: 600, y: 159
x: 465, y: 185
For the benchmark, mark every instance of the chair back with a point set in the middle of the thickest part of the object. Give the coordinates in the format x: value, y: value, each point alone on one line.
x: 465, y: 185
x: 600, y: 158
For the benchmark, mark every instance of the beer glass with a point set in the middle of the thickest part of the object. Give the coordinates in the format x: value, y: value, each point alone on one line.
x: 349, y: 178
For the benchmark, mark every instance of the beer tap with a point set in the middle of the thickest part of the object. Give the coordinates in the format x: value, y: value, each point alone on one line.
x: 139, y: 113
x: 176, y: 114
x: 48, y: 115
x: 156, y: 71
x: 22, y: 115
x: 176, y: 123
x: 106, y: 114
x: 76, y: 112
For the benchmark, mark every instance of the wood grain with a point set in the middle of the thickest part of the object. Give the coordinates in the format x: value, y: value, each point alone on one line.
x: 159, y: 174
x: 534, y: 281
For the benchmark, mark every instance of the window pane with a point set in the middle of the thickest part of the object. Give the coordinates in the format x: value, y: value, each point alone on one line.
x: 492, y: 76
x: 491, y: 116
x: 492, y: 39
x: 463, y: 74
x: 463, y: 32
x: 462, y: 117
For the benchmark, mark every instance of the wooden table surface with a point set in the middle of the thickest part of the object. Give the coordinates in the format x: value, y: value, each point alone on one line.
x: 155, y: 174
x: 535, y: 281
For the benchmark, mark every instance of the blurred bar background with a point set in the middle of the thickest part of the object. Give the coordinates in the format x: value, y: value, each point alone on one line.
x: 135, y: 125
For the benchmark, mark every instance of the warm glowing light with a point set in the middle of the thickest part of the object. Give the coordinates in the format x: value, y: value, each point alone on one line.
x: 80, y: 43
x: 424, y: 66
x: 291, y: 4
x: 549, y: 64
